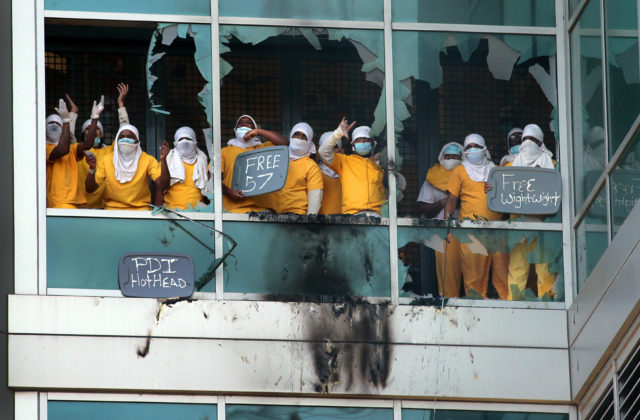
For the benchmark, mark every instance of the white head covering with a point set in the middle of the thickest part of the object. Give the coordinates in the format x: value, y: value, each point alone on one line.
x: 87, y: 123
x: 324, y: 168
x: 510, y: 156
x: 530, y: 154
x: 126, y: 168
x: 300, y: 148
x: 362, y: 131
x: 442, y: 153
x: 53, y: 134
x: 175, y: 161
x: 478, y: 172
x: 255, y: 141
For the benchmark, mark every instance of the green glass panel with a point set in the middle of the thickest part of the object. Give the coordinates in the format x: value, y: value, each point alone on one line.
x: 483, y: 12
x: 533, y: 260
x: 591, y: 238
x: 94, y: 410
x: 624, y: 182
x: 588, y: 113
x: 448, y: 85
x: 84, y: 252
x: 623, y: 78
x: 415, y: 414
x: 169, y: 7
x: 277, y: 412
x: 308, y: 259
x: 364, y: 10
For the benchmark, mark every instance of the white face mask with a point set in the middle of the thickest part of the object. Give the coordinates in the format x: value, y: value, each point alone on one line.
x: 54, y: 131
x: 299, y: 148
x: 127, y: 150
x: 187, y: 150
x: 449, y: 164
x: 529, y: 150
x: 241, y: 132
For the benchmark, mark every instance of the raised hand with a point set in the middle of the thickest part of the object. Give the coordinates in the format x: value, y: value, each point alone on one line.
x: 346, y: 127
x: 63, y: 111
x: 164, y: 150
x: 74, y: 107
x: 96, y: 109
x: 123, y: 90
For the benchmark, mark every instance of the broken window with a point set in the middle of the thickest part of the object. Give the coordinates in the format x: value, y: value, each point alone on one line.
x: 483, y: 12
x: 168, y: 7
x: 361, y: 10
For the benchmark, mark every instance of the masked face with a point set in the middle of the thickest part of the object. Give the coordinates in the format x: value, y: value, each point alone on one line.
x: 96, y: 142
x: 127, y: 147
x: 187, y: 149
x: 530, y: 150
x: 299, y: 147
x: 450, y: 164
x: 363, y: 148
x: 474, y: 155
x: 54, y: 131
x: 514, y: 150
x: 241, y: 132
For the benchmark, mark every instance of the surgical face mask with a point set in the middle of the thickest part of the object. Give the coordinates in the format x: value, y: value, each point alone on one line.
x: 514, y: 150
x: 127, y: 149
x: 96, y: 142
x: 530, y: 150
x: 449, y: 164
x: 363, y: 149
x: 187, y: 149
x: 241, y: 132
x: 54, y: 131
x: 124, y: 140
x: 299, y: 147
x: 474, y: 155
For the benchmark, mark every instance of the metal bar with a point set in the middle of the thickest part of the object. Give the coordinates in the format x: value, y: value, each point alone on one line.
x: 40, y: 155
x: 470, y: 224
x: 137, y: 397
x: 133, y: 17
x: 222, y: 408
x: 309, y: 401
x: 493, y: 303
x: 605, y: 109
x: 125, y: 214
x: 576, y: 14
x: 397, y: 410
x: 460, y: 27
x: 42, y: 409
x: 270, y: 297
x: 488, y: 406
x: 391, y: 153
x: 312, y: 23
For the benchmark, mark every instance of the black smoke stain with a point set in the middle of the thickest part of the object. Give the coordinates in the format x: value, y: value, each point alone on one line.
x: 144, y: 351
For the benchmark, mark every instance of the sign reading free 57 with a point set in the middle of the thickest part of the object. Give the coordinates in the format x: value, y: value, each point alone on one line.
x: 261, y: 171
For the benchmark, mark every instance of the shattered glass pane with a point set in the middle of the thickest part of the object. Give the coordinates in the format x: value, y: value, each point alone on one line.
x: 480, y: 264
x: 292, y: 261
x: 623, y: 77
x: 588, y: 110
x: 624, y: 182
x: 591, y: 238
x: 168, y: 7
x: 68, y: 237
x: 97, y: 410
x: 483, y: 12
x: 430, y: 414
x: 364, y: 10
x: 284, y: 412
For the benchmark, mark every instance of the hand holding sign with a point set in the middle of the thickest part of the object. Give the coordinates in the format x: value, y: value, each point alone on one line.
x: 260, y: 171
x: 523, y: 190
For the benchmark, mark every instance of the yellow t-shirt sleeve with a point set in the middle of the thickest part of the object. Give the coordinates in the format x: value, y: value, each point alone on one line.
x: 314, y: 178
x: 455, y: 182
x: 154, y: 169
x: 338, y: 161
x: 100, y: 174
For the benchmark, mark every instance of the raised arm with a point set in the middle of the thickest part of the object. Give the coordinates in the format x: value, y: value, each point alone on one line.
x: 90, y: 183
x: 271, y: 136
x: 74, y: 116
x: 326, y: 150
x: 162, y: 182
x: 62, y: 148
x: 96, y: 109
x: 123, y: 90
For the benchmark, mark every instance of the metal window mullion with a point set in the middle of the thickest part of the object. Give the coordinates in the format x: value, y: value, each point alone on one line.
x: 564, y: 132
x: 40, y: 153
x: 605, y: 110
x: 43, y: 400
x: 309, y: 23
x: 221, y: 405
x: 397, y: 409
x: 119, y: 16
x: 473, y: 28
x: 391, y: 154
x: 217, y: 143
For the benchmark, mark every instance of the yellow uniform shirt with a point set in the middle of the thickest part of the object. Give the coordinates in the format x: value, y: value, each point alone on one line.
x: 331, y: 195
x: 182, y: 194
x: 228, y: 156
x: 362, y: 187
x: 473, y: 199
x: 132, y: 195
x: 94, y: 199
x: 303, y: 176
x: 63, y: 190
x: 438, y: 176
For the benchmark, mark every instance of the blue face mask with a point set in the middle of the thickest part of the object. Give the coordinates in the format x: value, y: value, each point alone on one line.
x: 363, y: 149
x: 474, y: 155
x: 96, y: 142
x: 514, y: 149
x: 126, y: 140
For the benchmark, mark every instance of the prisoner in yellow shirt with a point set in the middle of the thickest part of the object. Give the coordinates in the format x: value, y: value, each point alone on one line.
x: 94, y: 199
x: 303, y: 176
x: 331, y: 195
x: 181, y: 195
x: 132, y: 195
x: 228, y: 157
x: 473, y: 199
x: 63, y: 189
x: 362, y: 188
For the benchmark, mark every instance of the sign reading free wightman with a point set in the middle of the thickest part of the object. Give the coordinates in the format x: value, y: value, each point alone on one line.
x: 156, y: 275
x: 521, y: 190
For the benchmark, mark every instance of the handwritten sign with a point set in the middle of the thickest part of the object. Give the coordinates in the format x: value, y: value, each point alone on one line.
x: 261, y: 171
x: 625, y: 192
x: 522, y: 190
x: 156, y: 275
